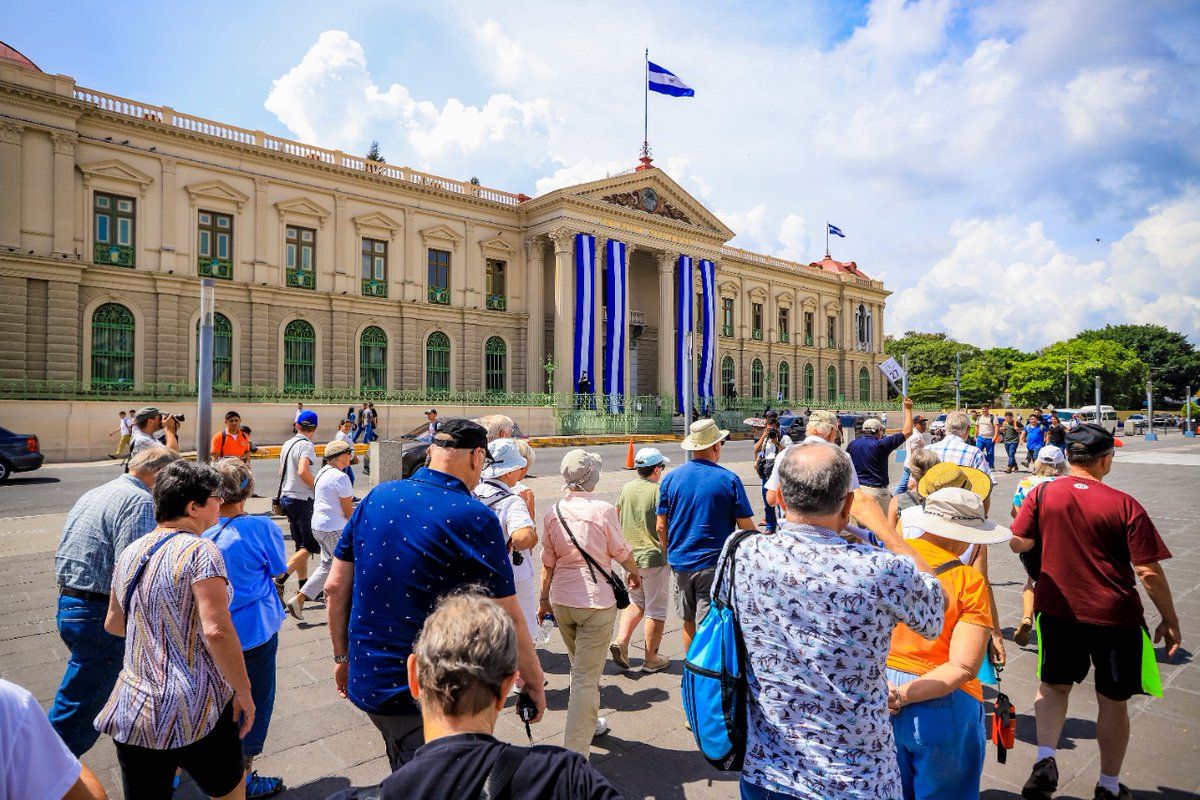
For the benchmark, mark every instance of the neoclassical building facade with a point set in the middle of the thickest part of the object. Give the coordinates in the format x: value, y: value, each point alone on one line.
x: 338, y: 273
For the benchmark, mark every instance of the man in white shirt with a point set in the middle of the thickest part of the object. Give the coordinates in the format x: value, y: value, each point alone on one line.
x: 985, y: 435
x: 297, y: 496
x: 125, y: 429
x: 919, y: 439
x: 34, y: 762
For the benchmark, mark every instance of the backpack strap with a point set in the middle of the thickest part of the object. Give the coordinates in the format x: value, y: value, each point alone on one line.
x: 729, y: 566
x: 141, y: 567
x: 283, y: 470
x: 503, y: 769
x: 953, y: 563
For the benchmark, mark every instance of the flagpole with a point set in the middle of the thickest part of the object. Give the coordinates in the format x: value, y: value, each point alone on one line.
x: 827, y: 239
x: 646, y: 106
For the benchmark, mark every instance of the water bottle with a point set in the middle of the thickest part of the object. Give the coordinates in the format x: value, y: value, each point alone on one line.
x: 545, y: 624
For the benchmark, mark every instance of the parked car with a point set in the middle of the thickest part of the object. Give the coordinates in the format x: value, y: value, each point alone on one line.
x: 19, y: 452
x: 1107, y: 418
x: 1165, y: 421
x: 1136, y: 423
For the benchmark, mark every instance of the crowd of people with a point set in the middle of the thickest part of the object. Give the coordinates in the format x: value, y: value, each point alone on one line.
x: 868, y: 620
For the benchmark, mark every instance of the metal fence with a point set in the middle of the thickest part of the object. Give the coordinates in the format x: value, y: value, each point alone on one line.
x: 596, y: 416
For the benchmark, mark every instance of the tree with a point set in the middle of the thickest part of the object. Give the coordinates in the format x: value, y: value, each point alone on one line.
x: 931, y: 365
x: 1173, y: 361
x: 374, y: 155
x: 1042, y: 380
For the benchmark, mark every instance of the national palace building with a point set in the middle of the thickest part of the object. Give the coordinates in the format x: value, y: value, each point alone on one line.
x: 358, y: 278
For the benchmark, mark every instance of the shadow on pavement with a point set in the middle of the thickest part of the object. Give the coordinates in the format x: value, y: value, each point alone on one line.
x: 1074, y: 729
x: 639, y: 769
x: 16, y: 481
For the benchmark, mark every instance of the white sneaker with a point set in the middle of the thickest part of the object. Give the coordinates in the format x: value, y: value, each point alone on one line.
x: 601, y: 727
x: 295, y: 606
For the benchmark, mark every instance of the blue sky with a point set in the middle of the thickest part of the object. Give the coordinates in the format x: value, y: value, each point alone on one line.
x: 973, y: 152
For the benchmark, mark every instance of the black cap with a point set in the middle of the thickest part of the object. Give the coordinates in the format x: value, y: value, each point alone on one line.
x: 771, y: 414
x: 461, y: 434
x: 1090, y: 440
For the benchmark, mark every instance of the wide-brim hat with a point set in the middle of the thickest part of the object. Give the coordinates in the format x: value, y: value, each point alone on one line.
x: 958, y: 514
x: 506, y: 458
x: 702, y: 435
x: 947, y: 475
x: 336, y: 448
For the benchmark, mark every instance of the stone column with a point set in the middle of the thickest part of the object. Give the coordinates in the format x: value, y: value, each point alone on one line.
x: 168, y: 340
x: 170, y: 239
x: 341, y: 373
x: 262, y: 247
x: 10, y: 183
x: 564, y: 309
x: 535, y: 277
x: 411, y: 281
x: 345, y: 275
x: 63, y: 338
x: 666, y: 323
x: 64, y: 192
x: 470, y: 276
x: 264, y: 370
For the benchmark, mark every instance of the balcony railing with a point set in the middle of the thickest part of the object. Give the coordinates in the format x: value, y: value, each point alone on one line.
x: 439, y: 295
x: 302, y: 279
x: 808, y: 341
x: 783, y: 336
x: 497, y: 302
x: 756, y: 334
x: 115, y: 255
x: 727, y: 330
x: 374, y: 288
x: 215, y: 268
x: 831, y: 342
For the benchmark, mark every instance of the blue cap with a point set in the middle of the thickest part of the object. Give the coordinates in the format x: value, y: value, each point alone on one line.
x: 307, y: 419
x: 649, y: 457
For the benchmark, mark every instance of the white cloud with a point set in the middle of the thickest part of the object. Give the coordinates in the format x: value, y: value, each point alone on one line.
x: 509, y: 62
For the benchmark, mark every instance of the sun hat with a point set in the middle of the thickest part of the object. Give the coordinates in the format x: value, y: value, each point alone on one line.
x: 703, y: 434
x: 649, y: 457
x: 1051, y: 455
x: 307, y: 419
x: 958, y: 514
x: 336, y: 448
x: 872, y: 425
x: 580, y: 470
x: 945, y: 475
x: 1088, y: 439
x: 506, y: 458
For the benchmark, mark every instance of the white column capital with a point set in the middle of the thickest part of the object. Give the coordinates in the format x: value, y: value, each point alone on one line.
x: 667, y: 261
x: 10, y: 132
x: 533, y: 249
x: 64, y: 143
x: 564, y: 240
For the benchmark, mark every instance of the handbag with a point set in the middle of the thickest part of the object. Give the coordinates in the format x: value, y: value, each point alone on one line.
x: 276, y: 505
x: 618, y: 586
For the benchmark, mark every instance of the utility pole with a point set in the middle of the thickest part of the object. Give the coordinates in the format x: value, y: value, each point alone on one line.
x: 1068, y: 379
x: 1151, y: 436
x: 204, y: 375
x: 1099, y: 416
x: 958, y: 381
x: 1187, y: 431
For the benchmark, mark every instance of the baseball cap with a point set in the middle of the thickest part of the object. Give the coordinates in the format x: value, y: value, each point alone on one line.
x: 431, y: 411
x: 1090, y: 439
x: 461, y: 434
x: 307, y: 419
x: 145, y: 413
x: 649, y: 457
x: 1051, y: 455
x: 824, y: 417
x: 919, y: 418
x: 872, y: 425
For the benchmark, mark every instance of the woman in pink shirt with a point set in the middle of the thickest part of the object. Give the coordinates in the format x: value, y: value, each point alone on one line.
x: 579, y: 593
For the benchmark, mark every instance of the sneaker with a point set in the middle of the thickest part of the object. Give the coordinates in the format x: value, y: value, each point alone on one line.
x: 257, y: 786
x: 620, y: 654
x: 1021, y: 635
x: 1043, y: 781
x: 651, y: 667
x: 1105, y: 794
x: 601, y: 727
x: 295, y: 606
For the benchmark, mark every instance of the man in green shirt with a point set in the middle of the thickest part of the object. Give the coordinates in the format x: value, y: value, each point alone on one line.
x: 637, y: 506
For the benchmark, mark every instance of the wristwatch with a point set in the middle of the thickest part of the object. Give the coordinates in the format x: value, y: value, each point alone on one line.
x: 342, y: 659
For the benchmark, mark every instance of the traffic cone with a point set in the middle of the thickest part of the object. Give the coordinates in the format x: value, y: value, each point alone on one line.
x: 629, y: 457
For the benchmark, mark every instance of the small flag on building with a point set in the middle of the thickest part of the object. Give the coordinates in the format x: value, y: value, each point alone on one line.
x: 835, y: 230
x: 664, y: 81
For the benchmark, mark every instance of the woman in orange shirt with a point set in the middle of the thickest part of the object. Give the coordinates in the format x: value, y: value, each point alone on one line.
x: 935, y: 699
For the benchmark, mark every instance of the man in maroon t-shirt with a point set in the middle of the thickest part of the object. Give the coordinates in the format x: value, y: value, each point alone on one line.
x: 1095, y: 542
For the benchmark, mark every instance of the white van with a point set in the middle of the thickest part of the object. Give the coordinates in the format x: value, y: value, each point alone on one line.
x: 1107, y: 418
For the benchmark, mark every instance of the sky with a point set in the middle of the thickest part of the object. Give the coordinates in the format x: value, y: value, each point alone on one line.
x: 1014, y: 171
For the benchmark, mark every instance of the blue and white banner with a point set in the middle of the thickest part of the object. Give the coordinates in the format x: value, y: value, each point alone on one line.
x: 585, y: 314
x: 708, y: 355
x: 664, y: 81
x: 835, y: 230
x: 683, y: 326
x: 617, y: 302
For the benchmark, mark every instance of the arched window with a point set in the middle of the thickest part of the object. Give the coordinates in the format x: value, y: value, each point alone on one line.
x: 437, y: 362
x: 809, y: 383
x: 222, y: 376
x: 864, y: 385
x: 727, y: 379
x: 372, y: 359
x: 831, y: 386
x: 495, y: 355
x: 112, y: 346
x: 785, y: 380
x: 299, y: 356
x: 756, y: 379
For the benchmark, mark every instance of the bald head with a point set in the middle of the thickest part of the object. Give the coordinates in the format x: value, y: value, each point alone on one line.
x: 814, y: 479
x: 464, y: 464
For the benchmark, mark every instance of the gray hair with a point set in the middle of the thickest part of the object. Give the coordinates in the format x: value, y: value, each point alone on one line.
x: 237, y: 481
x: 1043, y: 470
x: 958, y: 423
x: 526, y: 452
x: 153, y: 460
x: 922, y: 461
x: 816, y: 427
x: 814, y: 478
x: 496, y: 424
x: 465, y: 652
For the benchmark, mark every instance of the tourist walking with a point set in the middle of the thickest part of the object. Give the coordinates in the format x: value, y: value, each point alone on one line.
x: 125, y: 430
x: 955, y: 449
x: 871, y: 452
x: 431, y: 424
x: 986, y: 430
x: 102, y: 523
x: 183, y: 698
x: 583, y: 538
x: 297, y: 496
x: 1010, y: 437
x: 252, y: 547
x: 1034, y: 437
x: 345, y: 434
x: 449, y: 541
x: 699, y: 505
x: 333, y: 503
x: 1051, y: 463
x: 361, y: 430
x: 230, y: 442
x: 816, y: 616
x: 637, y: 509
x: 934, y: 697
x: 1096, y: 543
x: 917, y: 441
x: 1056, y: 434
x: 497, y: 490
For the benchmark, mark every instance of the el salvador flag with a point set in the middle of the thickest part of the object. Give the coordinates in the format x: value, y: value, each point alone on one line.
x: 666, y: 82
x: 836, y: 231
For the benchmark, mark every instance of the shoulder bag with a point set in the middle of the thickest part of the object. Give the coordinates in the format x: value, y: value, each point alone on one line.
x: 276, y: 505
x: 141, y: 567
x: 618, y: 586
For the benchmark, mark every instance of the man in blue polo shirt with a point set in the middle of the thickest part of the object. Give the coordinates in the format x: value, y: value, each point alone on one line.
x: 871, y: 451
x: 699, y: 505
x: 407, y: 544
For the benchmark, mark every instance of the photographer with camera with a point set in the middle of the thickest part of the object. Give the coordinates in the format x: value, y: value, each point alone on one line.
x: 149, y: 421
x: 770, y: 444
x: 495, y: 490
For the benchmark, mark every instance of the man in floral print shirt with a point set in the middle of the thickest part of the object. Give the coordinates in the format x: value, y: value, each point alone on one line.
x: 817, y: 614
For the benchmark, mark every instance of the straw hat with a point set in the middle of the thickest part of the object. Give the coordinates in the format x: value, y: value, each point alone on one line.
x: 958, y: 514
x: 947, y: 475
x: 336, y: 448
x: 703, y: 434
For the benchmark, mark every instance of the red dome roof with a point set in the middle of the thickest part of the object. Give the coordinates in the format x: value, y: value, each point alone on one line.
x: 829, y: 265
x: 13, y: 56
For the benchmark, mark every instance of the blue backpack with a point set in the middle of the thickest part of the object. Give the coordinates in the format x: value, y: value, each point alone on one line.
x: 715, y: 691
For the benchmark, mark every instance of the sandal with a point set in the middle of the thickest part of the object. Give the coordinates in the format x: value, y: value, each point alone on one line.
x: 1021, y: 635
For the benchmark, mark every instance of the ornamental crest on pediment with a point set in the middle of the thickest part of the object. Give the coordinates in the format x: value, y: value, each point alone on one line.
x: 646, y: 200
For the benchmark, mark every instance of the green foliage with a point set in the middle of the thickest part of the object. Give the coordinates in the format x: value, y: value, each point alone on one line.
x: 1173, y: 361
x: 1042, y: 379
x: 374, y: 155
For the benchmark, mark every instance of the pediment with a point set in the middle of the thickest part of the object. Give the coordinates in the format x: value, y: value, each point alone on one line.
x: 442, y: 233
x: 117, y: 170
x: 302, y: 207
x: 728, y: 287
x: 376, y: 219
x: 832, y: 308
x: 497, y: 245
x: 217, y: 190
x: 758, y: 293
x: 784, y: 299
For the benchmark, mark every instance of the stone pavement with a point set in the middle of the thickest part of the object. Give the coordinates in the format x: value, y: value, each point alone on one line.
x: 321, y: 744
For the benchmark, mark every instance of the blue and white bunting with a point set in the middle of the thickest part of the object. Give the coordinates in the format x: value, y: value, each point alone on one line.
x: 835, y: 230
x: 585, y: 312
x: 664, y: 81
x: 683, y: 326
x: 617, y: 302
x: 708, y: 355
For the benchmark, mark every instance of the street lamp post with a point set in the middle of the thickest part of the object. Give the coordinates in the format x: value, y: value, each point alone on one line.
x: 1151, y: 436
x: 204, y: 374
x: 1187, y: 431
x: 958, y: 381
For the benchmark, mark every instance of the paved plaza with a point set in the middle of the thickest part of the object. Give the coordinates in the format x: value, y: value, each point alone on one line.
x: 320, y: 743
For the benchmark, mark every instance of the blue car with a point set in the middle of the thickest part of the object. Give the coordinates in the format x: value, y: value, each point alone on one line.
x: 19, y: 452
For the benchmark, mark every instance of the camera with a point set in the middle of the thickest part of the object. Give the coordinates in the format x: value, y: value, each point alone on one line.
x: 178, y: 417
x: 772, y: 434
x: 526, y: 708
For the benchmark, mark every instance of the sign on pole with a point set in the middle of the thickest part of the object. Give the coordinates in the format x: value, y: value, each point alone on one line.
x: 893, y: 372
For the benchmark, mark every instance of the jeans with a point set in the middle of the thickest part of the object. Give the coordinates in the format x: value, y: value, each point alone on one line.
x: 988, y: 446
x: 940, y: 747
x: 350, y: 473
x: 770, y: 513
x: 752, y: 792
x: 1011, y: 449
x: 902, y: 486
x: 260, y: 667
x: 92, y: 670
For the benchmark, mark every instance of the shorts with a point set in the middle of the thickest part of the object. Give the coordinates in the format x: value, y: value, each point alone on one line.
x: 652, y: 596
x: 693, y: 593
x: 299, y: 514
x: 214, y: 762
x: 1122, y: 655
